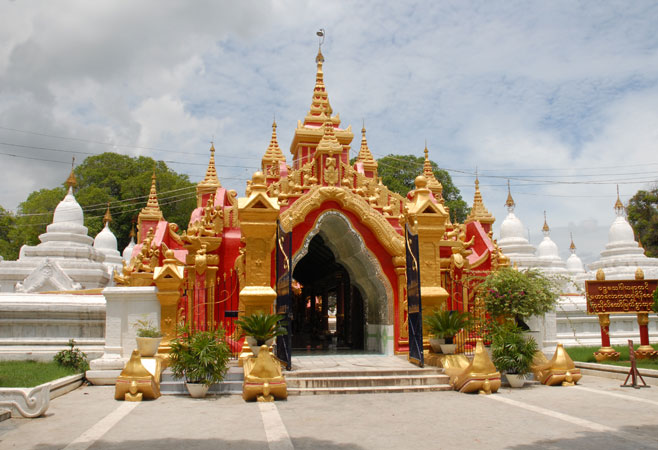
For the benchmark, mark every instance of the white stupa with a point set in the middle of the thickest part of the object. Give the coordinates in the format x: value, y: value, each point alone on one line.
x: 106, y: 243
x: 548, y: 257
x: 574, y: 264
x: 64, y: 260
x: 513, y: 241
x: 128, y: 251
x: 622, y: 254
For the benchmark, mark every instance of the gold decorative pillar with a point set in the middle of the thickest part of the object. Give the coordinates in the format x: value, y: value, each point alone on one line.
x: 645, y: 350
x: 169, y: 280
x: 428, y: 220
x: 258, y: 214
x: 606, y: 352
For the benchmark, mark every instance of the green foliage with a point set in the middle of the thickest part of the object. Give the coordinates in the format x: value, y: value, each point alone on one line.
x: 512, y: 351
x: 643, y: 217
x: 655, y: 301
x: 7, y: 223
x: 200, y: 356
x: 446, y: 324
x: 72, y: 358
x: 123, y: 181
x: 262, y: 326
x: 398, y: 173
x: 146, y: 329
x: 518, y: 294
x: 25, y: 374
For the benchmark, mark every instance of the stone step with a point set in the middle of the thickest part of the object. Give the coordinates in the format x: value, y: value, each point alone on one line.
x: 366, y: 381
x: 233, y: 373
x: 364, y: 372
x: 232, y: 384
x: 368, y: 389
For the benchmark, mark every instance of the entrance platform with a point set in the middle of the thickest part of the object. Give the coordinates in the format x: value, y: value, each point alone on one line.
x: 360, y: 374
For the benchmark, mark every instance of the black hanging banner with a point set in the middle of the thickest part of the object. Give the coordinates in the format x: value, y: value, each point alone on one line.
x: 284, y: 294
x: 414, y: 308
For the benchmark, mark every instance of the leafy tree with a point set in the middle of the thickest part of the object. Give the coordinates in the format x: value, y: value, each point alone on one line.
x: 398, y: 172
x: 123, y: 181
x: 643, y: 217
x: 7, y: 223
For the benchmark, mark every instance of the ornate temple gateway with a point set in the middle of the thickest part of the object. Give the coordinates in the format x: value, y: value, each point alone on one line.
x: 322, y: 242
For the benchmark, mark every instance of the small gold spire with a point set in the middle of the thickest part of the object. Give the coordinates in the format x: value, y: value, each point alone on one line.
x: 510, y: 201
x: 478, y: 211
x: 545, y: 228
x: 71, y: 181
x: 365, y: 156
x: 619, y: 206
x: 152, y: 205
x: 132, y: 229
x: 273, y: 152
x: 433, y: 184
x: 320, y: 103
x: 211, y: 179
x: 572, y: 247
x: 107, y: 218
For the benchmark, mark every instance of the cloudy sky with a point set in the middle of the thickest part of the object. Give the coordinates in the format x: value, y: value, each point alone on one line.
x: 558, y: 97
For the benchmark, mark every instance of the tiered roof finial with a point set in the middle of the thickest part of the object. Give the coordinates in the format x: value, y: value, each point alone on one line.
x: 211, y: 172
x: 619, y: 206
x: 320, y: 103
x: 479, y: 212
x: 433, y: 184
x: 273, y: 152
x: 510, y: 201
x: 71, y: 181
x: 365, y: 156
x: 107, y: 218
x: 572, y: 247
x: 152, y: 207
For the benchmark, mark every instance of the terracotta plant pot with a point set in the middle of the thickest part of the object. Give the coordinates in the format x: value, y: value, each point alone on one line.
x: 515, y: 380
x: 197, y: 390
x: 148, y: 346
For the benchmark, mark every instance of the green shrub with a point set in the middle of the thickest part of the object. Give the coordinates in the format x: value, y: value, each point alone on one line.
x: 262, y: 326
x: 512, y: 350
x: 446, y: 324
x: 200, y: 356
x: 72, y: 358
x: 146, y: 329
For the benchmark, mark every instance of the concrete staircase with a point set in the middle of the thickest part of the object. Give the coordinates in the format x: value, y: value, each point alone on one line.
x: 315, y: 382
x: 232, y: 383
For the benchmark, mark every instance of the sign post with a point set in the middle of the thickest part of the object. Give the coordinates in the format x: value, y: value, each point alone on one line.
x: 617, y: 297
x: 634, y: 374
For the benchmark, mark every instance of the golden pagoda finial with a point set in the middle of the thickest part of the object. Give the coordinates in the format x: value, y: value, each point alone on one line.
x: 132, y: 229
x: 320, y: 104
x: 71, y: 181
x: 510, y: 201
x: 273, y: 152
x: 572, y: 247
x: 107, y: 218
x: 365, y: 156
x: 619, y: 206
x: 545, y: 229
x: 478, y: 211
x: 152, y: 202
x: 211, y: 172
x: 433, y: 184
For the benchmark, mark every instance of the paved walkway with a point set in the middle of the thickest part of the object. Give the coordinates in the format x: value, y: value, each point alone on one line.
x: 596, y: 415
x: 362, y: 362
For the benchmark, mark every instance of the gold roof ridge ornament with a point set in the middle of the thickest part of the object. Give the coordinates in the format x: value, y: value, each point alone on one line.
x: 273, y: 152
x: 329, y: 143
x: 478, y: 211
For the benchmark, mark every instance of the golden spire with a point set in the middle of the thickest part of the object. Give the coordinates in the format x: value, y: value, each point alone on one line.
x: 478, y: 210
x: 211, y: 173
x: 152, y: 208
x: 107, y: 218
x: 132, y: 229
x: 320, y: 103
x: 71, y: 182
x: 433, y: 184
x: 572, y: 247
x: 365, y: 156
x: 273, y: 152
x: 328, y: 143
x: 510, y: 201
x: 619, y: 206
x: 545, y: 229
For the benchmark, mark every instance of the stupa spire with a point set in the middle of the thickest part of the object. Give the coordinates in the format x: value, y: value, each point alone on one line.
x: 433, y: 184
x: 478, y: 211
x: 619, y: 206
x: 151, y: 213
x: 107, y: 218
x: 510, y: 201
x: 572, y: 246
x: 71, y: 181
x: 320, y: 103
x: 545, y: 229
x: 210, y: 183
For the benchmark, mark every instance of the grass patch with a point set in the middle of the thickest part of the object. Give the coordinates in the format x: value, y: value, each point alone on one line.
x: 586, y: 354
x: 30, y: 373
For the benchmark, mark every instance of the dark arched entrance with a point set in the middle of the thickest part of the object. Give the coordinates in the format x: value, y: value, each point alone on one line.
x: 328, y: 310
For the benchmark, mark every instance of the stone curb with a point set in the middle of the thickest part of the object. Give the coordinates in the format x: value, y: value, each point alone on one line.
x: 56, y: 388
x: 650, y: 376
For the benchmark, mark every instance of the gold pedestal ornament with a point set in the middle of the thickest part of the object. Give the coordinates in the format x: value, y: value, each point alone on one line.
x: 136, y: 383
x: 480, y: 375
x: 263, y: 379
x: 559, y: 370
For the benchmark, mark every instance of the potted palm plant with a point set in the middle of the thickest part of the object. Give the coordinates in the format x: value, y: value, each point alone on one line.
x: 201, y: 358
x: 148, y: 337
x: 513, y: 352
x: 261, y: 328
x: 445, y: 325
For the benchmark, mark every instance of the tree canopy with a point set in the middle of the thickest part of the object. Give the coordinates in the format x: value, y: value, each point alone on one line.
x: 643, y: 217
x: 398, y: 172
x: 122, y: 180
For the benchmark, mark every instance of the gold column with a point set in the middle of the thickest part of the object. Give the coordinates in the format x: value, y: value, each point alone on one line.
x: 169, y: 279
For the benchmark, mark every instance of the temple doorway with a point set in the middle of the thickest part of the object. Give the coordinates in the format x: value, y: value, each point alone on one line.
x: 328, y: 310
